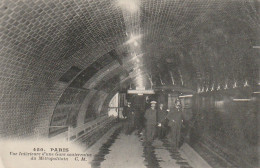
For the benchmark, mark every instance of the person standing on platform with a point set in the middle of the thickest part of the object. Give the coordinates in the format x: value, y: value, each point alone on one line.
x: 151, y: 122
x: 130, y: 112
x: 174, y: 122
x: 138, y: 120
x: 124, y: 112
x: 161, y: 117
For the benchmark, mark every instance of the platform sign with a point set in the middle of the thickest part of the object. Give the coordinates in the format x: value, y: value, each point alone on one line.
x: 140, y: 92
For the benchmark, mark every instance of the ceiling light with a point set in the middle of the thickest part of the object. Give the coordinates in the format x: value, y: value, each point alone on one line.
x: 235, y: 85
x: 140, y: 91
x: 133, y: 38
x: 183, y: 96
x: 256, y: 46
x: 226, y: 86
x: 139, y: 81
x: 131, y: 6
x: 246, y: 84
x: 241, y: 99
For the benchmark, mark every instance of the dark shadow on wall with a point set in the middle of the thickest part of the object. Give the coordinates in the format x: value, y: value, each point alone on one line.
x: 95, y: 106
x: 226, y: 126
x: 66, y: 111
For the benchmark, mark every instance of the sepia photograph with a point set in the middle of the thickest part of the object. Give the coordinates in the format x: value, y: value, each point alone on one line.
x: 129, y: 83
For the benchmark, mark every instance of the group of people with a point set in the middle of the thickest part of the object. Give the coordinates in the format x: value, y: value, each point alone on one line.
x: 159, y: 122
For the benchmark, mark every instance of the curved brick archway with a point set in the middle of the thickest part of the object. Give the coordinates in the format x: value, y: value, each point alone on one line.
x: 201, y: 44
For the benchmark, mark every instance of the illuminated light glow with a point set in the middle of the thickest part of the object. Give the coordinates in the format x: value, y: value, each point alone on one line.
x: 136, y: 56
x: 257, y: 92
x: 133, y: 39
x: 212, y: 89
x: 183, y: 96
x: 207, y: 89
x: 258, y: 83
x: 256, y: 47
x: 173, y: 83
x: 226, y: 86
x: 219, y: 103
x: 235, y: 85
x: 139, y: 81
x: 140, y: 94
x: 138, y: 60
x: 135, y: 43
x: 151, y: 82
x: 198, y: 90
x: 202, y: 90
x: 246, y: 84
x: 241, y: 99
x: 218, y: 87
x: 140, y: 88
x: 131, y: 6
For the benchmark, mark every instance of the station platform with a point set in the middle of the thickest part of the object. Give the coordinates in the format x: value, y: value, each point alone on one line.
x: 118, y: 150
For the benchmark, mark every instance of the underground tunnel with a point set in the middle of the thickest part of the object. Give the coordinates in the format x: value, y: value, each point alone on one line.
x: 86, y: 73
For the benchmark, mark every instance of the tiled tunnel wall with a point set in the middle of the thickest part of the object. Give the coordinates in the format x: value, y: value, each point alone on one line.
x: 228, y: 127
x: 92, y: 121
x: 95, y: 105
x: 34, y: 57
x: 42, y: 39
x: 76, y: 105
x: 84, y: 108
x: 27, y: 103
x: 67, y: 109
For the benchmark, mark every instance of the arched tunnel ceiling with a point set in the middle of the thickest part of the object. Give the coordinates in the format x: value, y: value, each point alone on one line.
x: 204, y: 42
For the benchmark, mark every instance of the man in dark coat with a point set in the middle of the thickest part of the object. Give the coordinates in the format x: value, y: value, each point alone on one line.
x: 130, y: 113
x: 161, y: 119
x: 124, y: 112
x: 174, y: 122
x: 151, y: 122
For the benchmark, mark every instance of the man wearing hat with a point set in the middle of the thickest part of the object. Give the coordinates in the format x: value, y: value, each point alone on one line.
x: 151, y: 122
x: 124, y: 112
x: 174, y: 122
x: 161, y: 118
x: 130, y: 113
